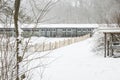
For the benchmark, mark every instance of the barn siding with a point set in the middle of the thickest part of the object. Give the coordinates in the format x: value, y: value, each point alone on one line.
x: 49, y: 32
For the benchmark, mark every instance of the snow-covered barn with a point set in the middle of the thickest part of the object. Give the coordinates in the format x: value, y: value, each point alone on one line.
x: 51, y: 30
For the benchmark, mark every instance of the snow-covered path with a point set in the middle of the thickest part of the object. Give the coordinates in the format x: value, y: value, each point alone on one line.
x: 77, y: 62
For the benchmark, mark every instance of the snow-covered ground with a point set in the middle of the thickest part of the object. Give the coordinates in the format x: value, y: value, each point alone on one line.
x: 78, y: 62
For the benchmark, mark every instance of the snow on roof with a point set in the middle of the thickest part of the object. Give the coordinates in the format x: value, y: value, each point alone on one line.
x: 109, y: 29
x: 52, y: 26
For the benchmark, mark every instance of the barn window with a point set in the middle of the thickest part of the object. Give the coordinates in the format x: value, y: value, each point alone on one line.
x: 42, y: 29
x: 79, y: 29
x: 69, y: 29
x: 84, y: 29
x: 64, y: 29
x: 89, y: 29
x: 53, y: 29
x: 45, y: 29
x: 35, y: 29
x: 1, y: 30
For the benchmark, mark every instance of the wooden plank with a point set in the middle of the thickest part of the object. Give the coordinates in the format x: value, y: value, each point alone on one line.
x: 112, y: 42
x: 108, y: 54
x: 105, y: 44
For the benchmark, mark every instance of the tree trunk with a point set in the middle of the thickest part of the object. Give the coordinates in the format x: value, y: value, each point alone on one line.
x: 17, y: 6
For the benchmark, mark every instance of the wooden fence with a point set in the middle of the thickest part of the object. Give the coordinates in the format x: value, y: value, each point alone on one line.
x: 57, y: 44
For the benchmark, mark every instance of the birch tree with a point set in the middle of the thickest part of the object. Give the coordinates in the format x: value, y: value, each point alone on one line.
x: 18, y: 37
x: 13, y: 51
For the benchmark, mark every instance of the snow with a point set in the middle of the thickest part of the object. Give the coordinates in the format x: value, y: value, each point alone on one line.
x: 52, y: 26
x: 73, y: 62
x: 78, y: 62
x: 109, y: 29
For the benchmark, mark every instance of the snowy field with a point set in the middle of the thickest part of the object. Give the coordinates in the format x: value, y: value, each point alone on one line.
x: 77, y: 62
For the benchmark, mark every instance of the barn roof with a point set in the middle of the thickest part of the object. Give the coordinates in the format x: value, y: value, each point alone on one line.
x: 52, y: 26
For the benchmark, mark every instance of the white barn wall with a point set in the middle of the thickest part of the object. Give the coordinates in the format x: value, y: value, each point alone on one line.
x: 53, y: 30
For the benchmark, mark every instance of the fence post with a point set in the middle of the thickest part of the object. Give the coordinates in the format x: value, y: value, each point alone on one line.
x: 59, y: 44
x: 49, y: 45
x: 68, y: 41
x: 40, y: 49
x: 43, y: 46
x: 55, y: 46
x: 71, y: 40
x: 64, y: 42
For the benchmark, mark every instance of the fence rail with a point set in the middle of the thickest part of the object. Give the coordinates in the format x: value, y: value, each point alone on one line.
x: 57, y: 44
